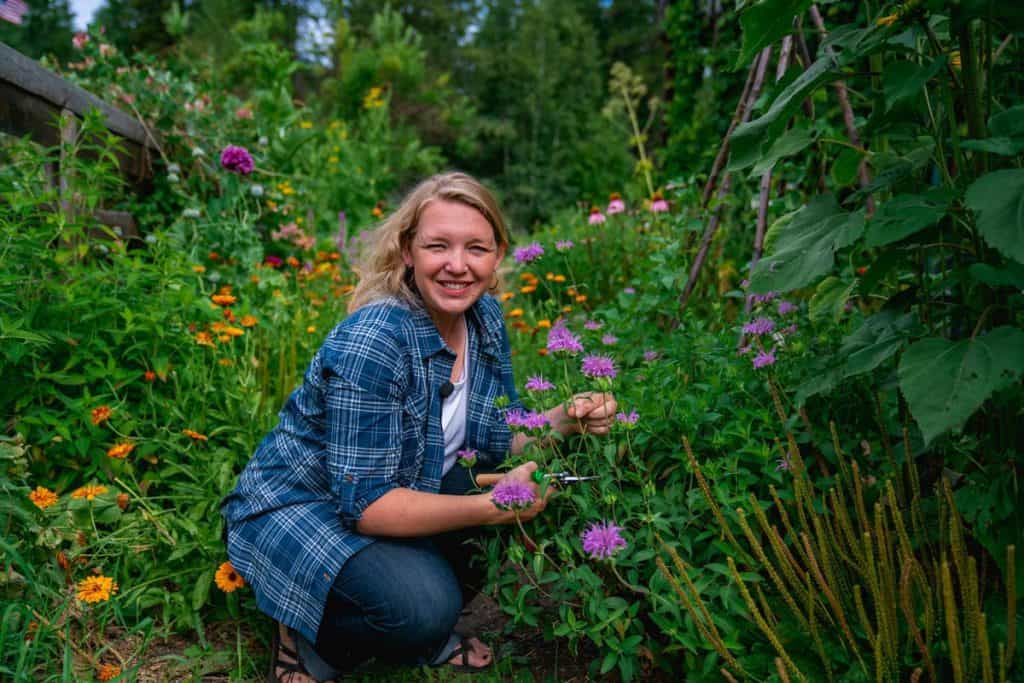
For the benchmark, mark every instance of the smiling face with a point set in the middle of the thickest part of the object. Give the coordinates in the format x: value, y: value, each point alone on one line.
x: 454, y: 255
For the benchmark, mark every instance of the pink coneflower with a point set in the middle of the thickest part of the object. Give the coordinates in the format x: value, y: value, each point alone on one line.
x: 615, y: 204
x: 602, y: 540
x: 467, y: 457
x: 598, y: 366
x: 528, y: 253
x: 759, y: 326
x: 538, y: 383
x: 658, y: 203
x: 510, y: 494
x: 764, y: 358
x: 609, y: 340
x: 564, y: 245
x: 596, y: 217
x: 561, y: 339
x: 237, y: 160
x: 785, y: 308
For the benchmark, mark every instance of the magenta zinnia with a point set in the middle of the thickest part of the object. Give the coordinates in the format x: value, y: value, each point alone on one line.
x: 599, y: 366
x: 237, y: 160
x: 510, y: 494
x: 602, y: 540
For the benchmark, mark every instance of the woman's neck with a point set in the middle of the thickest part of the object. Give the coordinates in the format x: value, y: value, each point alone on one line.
x: 452, y: 331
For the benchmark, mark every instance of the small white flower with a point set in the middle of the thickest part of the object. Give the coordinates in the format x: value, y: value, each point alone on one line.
x: 190, y: 213
x: 118, y: 231
x: 102, y: 248
x: 213, y: 277
x: 173, y: 168
x: 198, y: 152
x: 150, y: 239
x: 264, y: 141
x: 172, y: 177
x: 256, y: 190
x: 708, y: 72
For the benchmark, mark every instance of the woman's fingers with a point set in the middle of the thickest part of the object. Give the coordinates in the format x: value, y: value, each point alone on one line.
x: 594, y: 411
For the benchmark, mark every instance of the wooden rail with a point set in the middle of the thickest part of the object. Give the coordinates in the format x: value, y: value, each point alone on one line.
x: 37, y: 102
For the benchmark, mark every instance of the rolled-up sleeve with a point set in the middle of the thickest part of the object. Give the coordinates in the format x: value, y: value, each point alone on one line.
x: 363, y: 420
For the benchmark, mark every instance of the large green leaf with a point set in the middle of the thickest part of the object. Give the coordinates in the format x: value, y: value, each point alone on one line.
x: 904, y: 79
x: 830, y: 299
x: 944, y: 382
x: 793, y: 142
x: 998, y: 200
x: 905, y: 214
x: 765, y: 23
x: 805, y: 248
x: 875, y: 341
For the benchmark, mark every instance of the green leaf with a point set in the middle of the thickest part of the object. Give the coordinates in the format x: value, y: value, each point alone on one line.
x: 1009, y: 123
x: 876, y: 340
x: 905, y: 79
x: 944, y: 382
x: 1007, y: 147
x: 829, y: 299
x: 1010, y: 275
x: 817, y: 383
x: 793, y: 142
x: 805, y: 248
x: 845, y: 167
x: 765, y: 23
x: 905, y: 214
x: 201, y: 591
x: 998, y: 200
x: 609, y: 662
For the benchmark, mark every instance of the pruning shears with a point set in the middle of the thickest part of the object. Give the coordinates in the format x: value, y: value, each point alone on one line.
x: 539, y: 477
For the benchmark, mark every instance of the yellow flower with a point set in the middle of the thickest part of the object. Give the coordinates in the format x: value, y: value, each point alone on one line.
x: 566, y: 309
x: 248, y: 321
x: 43, y: 497
x: 88, y: 492
x: 199, y: 268
x: 234, y: 331
x: 227, y: 579
x: 96, y: 589
x: 272, y: 205
x: 372, y: 100
x: 528, y: 289
x: 545, y: 323
x: 204, y: 339
x: 559, y: 278
x: 121, y: 450
x: 549, y: 276
x: 887, y: 20
x: 195, y: 436
x: 306, y: 125
x: 515, y: 313
x: 507, y: 295
x: 100, y: 415
x: 108, y: 672
x: 223, y: 299
x: 311, y: 329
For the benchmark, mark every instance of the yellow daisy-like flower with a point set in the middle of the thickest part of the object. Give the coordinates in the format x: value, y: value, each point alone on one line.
x: 515, y: 313
x: 195, y: 436
x: 121, y: 450
x: 96, y: 589
x: 223, y: 299
x: 101, y: 414
x: 227, y: 579
x: 108, y: 672
x: 43, y: 497
x: 88, y: 492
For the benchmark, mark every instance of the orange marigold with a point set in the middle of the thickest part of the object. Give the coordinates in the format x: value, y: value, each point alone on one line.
x: 559, y: 278
x: 108, y: 672
x: 515, y: 313
x: 311, y: 329
x: 204, y: 339
x: 234, y: 331
x: 249, y: 321
x: 43, y: 497
x: 528, y: 289
x: 507, y: 295
x: 227, y: 579
x: 96, y: 589
x: 223, y: 299
x: 195, y: 436
x: 88, y: 492
x: 121, y: 450
x: 545, y: 323
x: 101, y: 414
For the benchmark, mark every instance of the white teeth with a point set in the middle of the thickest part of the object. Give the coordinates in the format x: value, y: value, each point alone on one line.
x: 455, y: 285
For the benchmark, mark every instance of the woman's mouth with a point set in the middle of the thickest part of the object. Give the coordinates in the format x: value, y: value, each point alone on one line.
x: 455, y: 286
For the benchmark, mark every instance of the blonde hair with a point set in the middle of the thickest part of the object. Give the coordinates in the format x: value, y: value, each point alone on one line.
x: 382, y: 271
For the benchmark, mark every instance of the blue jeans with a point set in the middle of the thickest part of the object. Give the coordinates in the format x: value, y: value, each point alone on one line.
x: 398, y: 599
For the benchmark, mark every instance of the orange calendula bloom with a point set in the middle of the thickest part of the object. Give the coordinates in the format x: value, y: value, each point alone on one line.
x: 122, y: 501
x: 234, y: 331
x: 507, y: 295
x: 121, y: 450
x: 377, y: 212
x: 218, y: 326
x: 43, y: 497
x: 96, y: 589
x: 549, y: 276
x: 88, y: 492
x: 581, y: 298
x: 195, y: 436
x: 559, y: 278
x: 224, y: 339
x: 292, y: 261
x: 223, y: 299
x: 311, y: 329
x: 248, y: 321
x: 528, y: 289
x: 108, y: 672
x: 204, y: 339
x: 566, y: 309
x: 227, y: 579
x: 515, y: 313
x: 101, y: 415
x: 545, y: 323
x: 198, y: 268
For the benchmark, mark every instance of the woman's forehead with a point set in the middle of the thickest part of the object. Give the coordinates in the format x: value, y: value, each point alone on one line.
x: 453, y: 220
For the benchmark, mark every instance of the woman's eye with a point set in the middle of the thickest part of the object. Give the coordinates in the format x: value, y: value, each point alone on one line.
x: 435, y: 247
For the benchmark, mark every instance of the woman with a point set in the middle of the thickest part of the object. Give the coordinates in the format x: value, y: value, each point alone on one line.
x: 347, y: 520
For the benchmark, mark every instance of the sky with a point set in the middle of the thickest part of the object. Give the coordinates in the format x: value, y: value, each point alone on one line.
x: 83, y: 11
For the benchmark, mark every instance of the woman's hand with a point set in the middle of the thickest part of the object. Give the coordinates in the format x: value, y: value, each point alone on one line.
x: 524, y: 474
x: 591, y: 412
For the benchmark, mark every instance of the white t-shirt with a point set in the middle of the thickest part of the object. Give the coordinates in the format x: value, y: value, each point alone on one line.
x: 453, y: 414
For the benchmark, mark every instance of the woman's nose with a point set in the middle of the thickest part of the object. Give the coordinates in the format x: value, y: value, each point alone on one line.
x: 456, y: 261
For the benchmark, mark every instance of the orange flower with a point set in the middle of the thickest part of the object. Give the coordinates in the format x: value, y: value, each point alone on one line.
x: 223, y: 299
x: 227, y: 579
x: 507, y: 295
x: 199, y: 268
x: 218, y: 326
x: 549, y: 276
x: 121, y: 450
x: 545, y: 323
x: 96, y: 589
x: 101, y: 415
x: 581, y: 298
x: 248, y: 321
x: 204, y: 339
x: 566, y: 309
x: 43, y: 497
x: 213, y: 256
x: 311, y: 329
x: 515, y: 313
x: 559, y: 278
x: 195, y: 436
x: 528, y: 289
x: 225, y: 361
x: 527, y: 276
x: 292, y: 261
x: 571, y: 291
x: 542, y: 351
x: 224, y: 339
x: 149, y: 376
x: 88, y: 492
x: 122, y: 501
x: 255, y: 279
x: 108, y: 672
x: 377, y: 212
x: 234, y: 331
x: 347, y: 289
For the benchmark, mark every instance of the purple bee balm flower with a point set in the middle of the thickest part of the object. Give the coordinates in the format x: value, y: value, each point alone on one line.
x: 785, y: 308
x: 783, y: 464
x: 609, y: 340
x: 759, y: 326
x: 763, y: 298
x: 528, y: 253
x: 593, y: 325
x: 628, y: 290
x: 538, y: 383
x: 510, y: 494
x: 564, y: 245
x: 467, y: 456
x: 651, y: 356
x: 602, y: 540
x: 561, y: 339
x: 629, y: 418
x: 763, y: 359
x: 527, y: 420
x: 237, y: 160
x: 596, y: 217
x: 789, y: 330
x: 599, y: 366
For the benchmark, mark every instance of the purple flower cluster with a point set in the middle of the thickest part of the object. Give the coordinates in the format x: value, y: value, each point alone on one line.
x: 564, y: 245
x: 763, y: 359
x: 510, y: 494
x: 629, y: 418
x: 527, y: 420
x: 538, y: 383
x: 467, y: 457
x: 785, y: 308
x: 561, y: 339
x: 528, y: 253
x: 592, y: 325
x: 602, y: 540
x: 599, y: 366
x: 237, y: 160
x: 651, y: 356
x: 629, y: 290
x: 609, y: 340
x: 759, y: 326
x: 762, y: 298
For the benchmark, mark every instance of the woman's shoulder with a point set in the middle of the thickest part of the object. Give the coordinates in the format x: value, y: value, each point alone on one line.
x: 377, y: 332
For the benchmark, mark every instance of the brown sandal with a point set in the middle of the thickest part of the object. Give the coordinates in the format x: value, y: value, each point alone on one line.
x: 277, y: 648
x: 464, y: 648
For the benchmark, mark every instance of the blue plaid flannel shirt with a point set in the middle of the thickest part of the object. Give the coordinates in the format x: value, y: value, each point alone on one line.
x: 366, y: 419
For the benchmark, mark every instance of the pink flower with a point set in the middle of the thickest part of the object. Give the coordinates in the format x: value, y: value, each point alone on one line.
x: 596, y: 217
x: 651, y: 356
x: 237, y: 160
x: 510, y: 494
x: 564, y: 245
x: 763, y: 359
x: 609, y: 340
x: 592, y: 325
x: 538, y: 383
x: 658, y: 203
x: 80, y: 39
x: 467, y: 457
x: 598, y: 366
x: 615, y: 204
x: 629, y: 418
x: 561, y: 339
x: 785, y: 308
x: 106, y: 49
x: 528, y: 253
x: 243, y: 113
x: 602, y: 540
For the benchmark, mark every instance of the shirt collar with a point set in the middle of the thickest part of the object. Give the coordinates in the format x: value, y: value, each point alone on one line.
x: 488, y: 330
